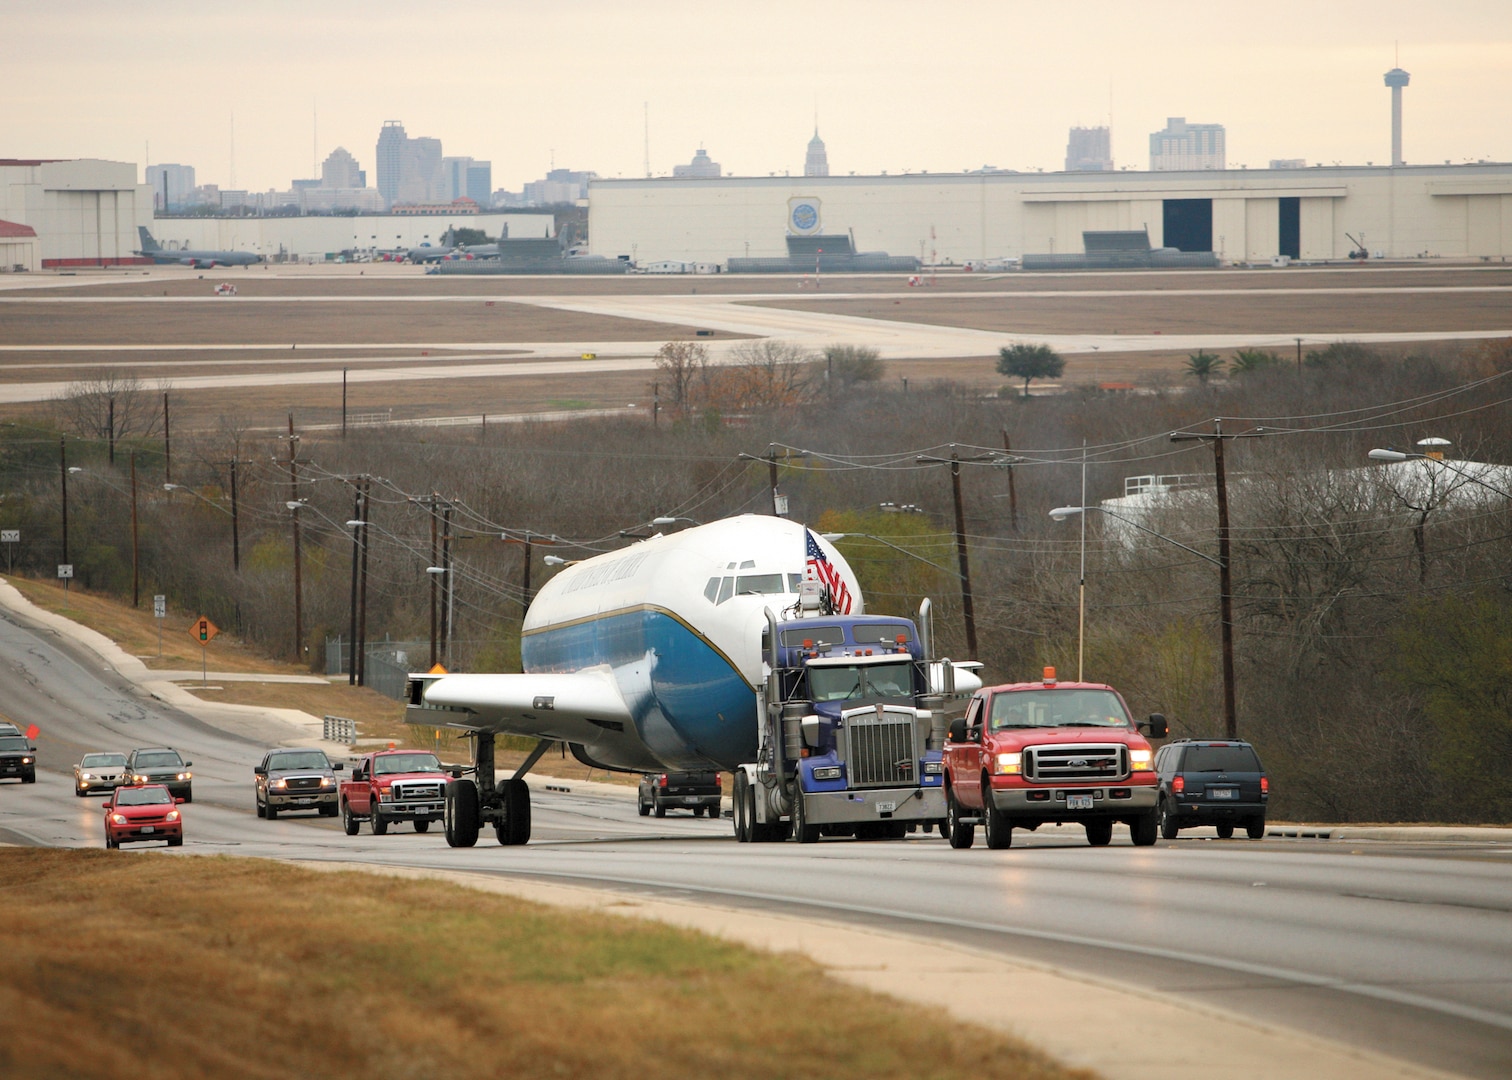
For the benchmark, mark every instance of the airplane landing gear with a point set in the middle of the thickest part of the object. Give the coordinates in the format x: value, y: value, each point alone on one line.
x: 504, y: 804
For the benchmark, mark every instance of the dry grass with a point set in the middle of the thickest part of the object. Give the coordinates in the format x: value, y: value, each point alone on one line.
x: 214, y: 967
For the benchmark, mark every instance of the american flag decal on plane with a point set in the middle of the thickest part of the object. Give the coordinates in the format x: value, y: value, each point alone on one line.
x: 819, y: 568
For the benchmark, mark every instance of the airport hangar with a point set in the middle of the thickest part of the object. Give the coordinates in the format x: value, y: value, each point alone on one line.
x: 59, y: 214
x: 1242, y: 215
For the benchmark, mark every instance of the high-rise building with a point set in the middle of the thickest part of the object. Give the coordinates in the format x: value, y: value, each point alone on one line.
x: 340, y: 171
x: 1187, y: 146
x: 559, y: 186
x: 389, y: 158
x: 816, y: 161
x: 172, y: 186
x: 1288, y: 163
x: 1089, y: 150
x: 480, y: 183
x: 701, y: 167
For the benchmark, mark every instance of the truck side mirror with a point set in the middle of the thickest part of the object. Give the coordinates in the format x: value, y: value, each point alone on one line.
x: 259, y: 771
x: 358, y: 774
x: 456, y: 772
x: 337, y: 767
x: 1157, y: 726
x: 187, y: 764
x: 958, y: 729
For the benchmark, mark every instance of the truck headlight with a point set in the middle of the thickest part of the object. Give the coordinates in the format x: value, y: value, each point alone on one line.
x: 326, y: 781
x: 1139, y: 760
x: 385, y: 794
x: 827, y: 772
x: 280, y: 783
x: 933, y: 768
x: 186, y: 776
x: 1009, y: 763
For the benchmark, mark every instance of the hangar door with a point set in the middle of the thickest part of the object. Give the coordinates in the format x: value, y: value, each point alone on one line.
x: 1189, y: 224
x: 1290, y: 227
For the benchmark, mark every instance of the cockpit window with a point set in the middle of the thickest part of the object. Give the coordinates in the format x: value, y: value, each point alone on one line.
x: 761, y: 584
x: 711, y: 590
x: 726, y: 588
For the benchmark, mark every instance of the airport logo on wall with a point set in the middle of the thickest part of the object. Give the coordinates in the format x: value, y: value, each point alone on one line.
x: 803, y: 215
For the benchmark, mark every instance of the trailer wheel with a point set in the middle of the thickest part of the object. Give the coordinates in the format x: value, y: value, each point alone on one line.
x: 460, y: 816
x: 742, y: 822
x: 960, y: 836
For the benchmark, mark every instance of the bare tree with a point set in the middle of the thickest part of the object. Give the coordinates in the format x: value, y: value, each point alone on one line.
x: 681, y: 363
x: 90, y: 406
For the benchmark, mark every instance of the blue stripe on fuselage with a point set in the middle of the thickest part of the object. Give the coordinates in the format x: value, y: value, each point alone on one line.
x: 696, y: 708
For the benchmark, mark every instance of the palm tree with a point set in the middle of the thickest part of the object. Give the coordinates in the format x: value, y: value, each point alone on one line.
x: 1203, y: 365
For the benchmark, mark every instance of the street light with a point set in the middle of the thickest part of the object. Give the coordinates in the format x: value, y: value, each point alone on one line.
x: 1402, y: 455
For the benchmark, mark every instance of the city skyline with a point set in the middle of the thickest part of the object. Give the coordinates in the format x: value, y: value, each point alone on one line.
x: 976, y: 84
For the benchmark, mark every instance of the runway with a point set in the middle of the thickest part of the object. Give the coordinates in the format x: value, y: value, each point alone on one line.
x: 1397, y: 948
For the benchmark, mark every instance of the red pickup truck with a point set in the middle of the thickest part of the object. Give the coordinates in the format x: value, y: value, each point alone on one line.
x: 394, y: 785
x: 1028, y: 753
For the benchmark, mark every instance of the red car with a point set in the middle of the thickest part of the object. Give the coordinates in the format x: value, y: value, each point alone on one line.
x: 148, y: 812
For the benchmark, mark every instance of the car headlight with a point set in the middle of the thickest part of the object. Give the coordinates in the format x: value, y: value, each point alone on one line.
x: 185, y: 775
x: 119, y: 819
x: 1008, y: 763
x: 827, y: 772
x: 26, y: 761
x: 138, y: 779
x: 1139, y: 760
x: 86, y: 776
x: 933, y: 768
x: 173, y: 815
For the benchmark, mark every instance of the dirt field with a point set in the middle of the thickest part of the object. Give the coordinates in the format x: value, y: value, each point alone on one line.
x: 1325, y: 312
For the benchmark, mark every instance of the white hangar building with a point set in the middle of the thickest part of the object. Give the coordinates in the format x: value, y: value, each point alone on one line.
x: 84, y: 212
x: 1252, y: 215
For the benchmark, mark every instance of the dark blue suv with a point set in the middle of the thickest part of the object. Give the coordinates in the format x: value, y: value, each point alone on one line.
x: 1211, y: 782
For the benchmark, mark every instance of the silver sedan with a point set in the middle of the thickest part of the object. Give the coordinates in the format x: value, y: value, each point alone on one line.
x: 99, y: 772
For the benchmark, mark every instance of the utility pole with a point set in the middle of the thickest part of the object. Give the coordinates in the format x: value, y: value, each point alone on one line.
x: 63, y: 472
x: 136, y: 577
x: 235, y: 524
x: 343, y: 402
x: 968, y: 608
x: 1225, y: 575
x: 771, y: 458
x: 435, y: 656
x: 367, y: 542
x: 356, y: 524
x: 1012, y: 489
x: 525, y: 579
x: 294, y: 507
x: 655, y: 403
x: 449, y: 596
x: 110, y: 432
x: 167, y: 444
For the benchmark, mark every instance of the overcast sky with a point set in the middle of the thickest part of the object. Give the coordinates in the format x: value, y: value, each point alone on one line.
x: 938, y: 85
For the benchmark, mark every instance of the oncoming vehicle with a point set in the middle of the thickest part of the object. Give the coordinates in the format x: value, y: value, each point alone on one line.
x: 18, y: 758
x: 390, y: 786
x: 1212, y: 782
x: 147, y: 812
x: 99, y: 772
x: 1030, y: 753
x: 297, y: 779
x: 161, y: 765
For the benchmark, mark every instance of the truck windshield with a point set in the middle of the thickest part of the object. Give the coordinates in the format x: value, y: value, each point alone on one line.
x: 14, y: 742
x: 309, y: 759
x: 399, y: 763
x: 1058, y: 708
x: 861, y: 681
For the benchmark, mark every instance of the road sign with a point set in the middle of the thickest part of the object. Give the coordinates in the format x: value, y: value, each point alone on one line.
x: 159, y: 607
x: 203, y: 630
x: 10, y: 536
x: 65, y: 571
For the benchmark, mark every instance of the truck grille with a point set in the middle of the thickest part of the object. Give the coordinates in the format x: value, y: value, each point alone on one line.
x: 1078, y: 761
x: 412, y: 791
x: 881, y: 749
x: 302, y: 783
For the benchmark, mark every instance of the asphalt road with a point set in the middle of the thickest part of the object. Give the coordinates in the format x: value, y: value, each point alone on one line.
x: 1401, y: 948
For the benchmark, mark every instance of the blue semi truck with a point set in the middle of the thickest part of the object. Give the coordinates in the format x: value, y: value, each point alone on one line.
x: 851, y: 724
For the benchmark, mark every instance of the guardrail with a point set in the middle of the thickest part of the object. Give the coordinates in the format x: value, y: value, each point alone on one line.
x: 339, y: 729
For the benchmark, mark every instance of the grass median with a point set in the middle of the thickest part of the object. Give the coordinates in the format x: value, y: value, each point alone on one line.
x: 215, y: 966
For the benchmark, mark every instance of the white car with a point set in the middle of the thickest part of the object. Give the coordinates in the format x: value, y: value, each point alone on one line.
x: 99, y: 772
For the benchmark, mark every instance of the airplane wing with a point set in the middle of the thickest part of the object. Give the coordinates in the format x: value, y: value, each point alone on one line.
x: 582, y: 707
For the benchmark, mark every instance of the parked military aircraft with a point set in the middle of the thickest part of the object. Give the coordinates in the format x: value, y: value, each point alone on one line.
x: 199, y: 260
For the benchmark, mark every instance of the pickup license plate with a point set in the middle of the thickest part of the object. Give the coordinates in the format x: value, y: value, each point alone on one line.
x: 1223, y: 793
x: 149, y: 828
x: 1078, y: 802
x: 691, y: 800
x: 886, y: 807
x: 304, y: 802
